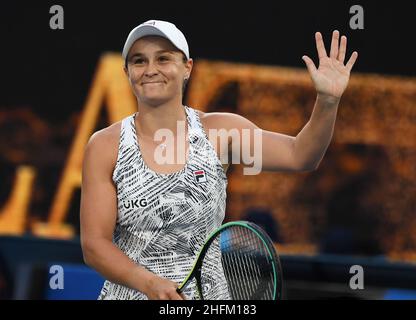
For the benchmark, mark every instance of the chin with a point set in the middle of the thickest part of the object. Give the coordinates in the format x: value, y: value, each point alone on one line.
x: 154, y: 101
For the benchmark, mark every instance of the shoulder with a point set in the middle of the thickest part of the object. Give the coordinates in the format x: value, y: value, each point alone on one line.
x: 224, y: 120
x: 105, y: 137
x: 102, y: 147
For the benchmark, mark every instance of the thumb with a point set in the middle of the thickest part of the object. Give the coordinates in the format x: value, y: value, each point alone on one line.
x: 309, y: 64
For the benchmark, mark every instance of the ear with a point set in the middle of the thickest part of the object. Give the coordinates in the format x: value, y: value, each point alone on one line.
x: 126, y: 71
x: 188, y: 66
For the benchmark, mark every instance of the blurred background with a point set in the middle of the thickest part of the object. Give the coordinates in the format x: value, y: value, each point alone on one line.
x: 59, y: 86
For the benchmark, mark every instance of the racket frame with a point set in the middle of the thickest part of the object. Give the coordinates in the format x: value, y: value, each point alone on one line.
x: 268, y: 243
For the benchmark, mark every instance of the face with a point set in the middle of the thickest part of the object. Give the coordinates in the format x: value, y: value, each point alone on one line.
x: 156, y: 70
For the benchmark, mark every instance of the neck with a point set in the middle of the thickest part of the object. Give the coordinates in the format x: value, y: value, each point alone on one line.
x: 163, y: 116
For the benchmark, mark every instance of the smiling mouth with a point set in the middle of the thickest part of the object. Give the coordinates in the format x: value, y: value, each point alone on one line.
x: 154, y: 82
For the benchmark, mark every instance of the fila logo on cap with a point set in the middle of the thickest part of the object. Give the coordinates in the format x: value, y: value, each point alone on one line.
x: 151, y: 22
x: 200, y: 176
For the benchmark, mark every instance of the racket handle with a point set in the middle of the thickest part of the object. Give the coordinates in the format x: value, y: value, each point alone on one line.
x: 181, y: 288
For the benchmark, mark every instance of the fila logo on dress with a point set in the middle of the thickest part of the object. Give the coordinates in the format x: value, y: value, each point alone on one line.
x: 200, y: 176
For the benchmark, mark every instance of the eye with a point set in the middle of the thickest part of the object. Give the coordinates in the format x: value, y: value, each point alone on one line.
x: 163, y: 58
x: 138, y: 61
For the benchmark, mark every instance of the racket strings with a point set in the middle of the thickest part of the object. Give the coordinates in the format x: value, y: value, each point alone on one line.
x: 241, y: 265
x: 213, y: 279
x: 245, y: 267
x: 256, y: 256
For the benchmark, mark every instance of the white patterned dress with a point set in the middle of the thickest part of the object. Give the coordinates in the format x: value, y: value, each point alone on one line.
x: 164, y: 219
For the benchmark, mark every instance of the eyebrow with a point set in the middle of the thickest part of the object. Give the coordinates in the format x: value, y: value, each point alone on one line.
x: 139, y: 54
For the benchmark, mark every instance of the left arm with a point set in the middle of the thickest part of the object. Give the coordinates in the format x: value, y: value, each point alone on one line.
x: 313, y: 140
x: 280, y: 152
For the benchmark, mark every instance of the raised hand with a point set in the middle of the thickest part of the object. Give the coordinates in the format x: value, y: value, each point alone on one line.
x: 332, y: 76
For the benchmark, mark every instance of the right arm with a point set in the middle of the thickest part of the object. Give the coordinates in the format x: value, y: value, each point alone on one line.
x: 98, y: 218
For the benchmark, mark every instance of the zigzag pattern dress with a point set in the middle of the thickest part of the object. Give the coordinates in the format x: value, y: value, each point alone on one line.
x: 164, y: 219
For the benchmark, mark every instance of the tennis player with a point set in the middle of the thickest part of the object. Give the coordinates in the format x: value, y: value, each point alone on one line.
x: 143, y: 220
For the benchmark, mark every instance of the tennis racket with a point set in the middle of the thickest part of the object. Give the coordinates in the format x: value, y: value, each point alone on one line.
x: 237, y: 262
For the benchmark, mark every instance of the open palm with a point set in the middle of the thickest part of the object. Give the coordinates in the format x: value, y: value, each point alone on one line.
x: 332, y: 76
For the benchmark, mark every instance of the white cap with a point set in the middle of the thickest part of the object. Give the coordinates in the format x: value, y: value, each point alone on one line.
x: 157, y: 28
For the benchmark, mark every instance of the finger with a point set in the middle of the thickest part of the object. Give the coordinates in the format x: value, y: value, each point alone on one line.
x: 334, y: 44
x: 175, y: 296
x: 342, y: 49
x: 320, y: 45
x: 352, y: 60
x: 309, y: 64
x: 182, y: 295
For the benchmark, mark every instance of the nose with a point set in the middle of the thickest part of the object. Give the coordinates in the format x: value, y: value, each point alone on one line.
x: 151, y: 70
